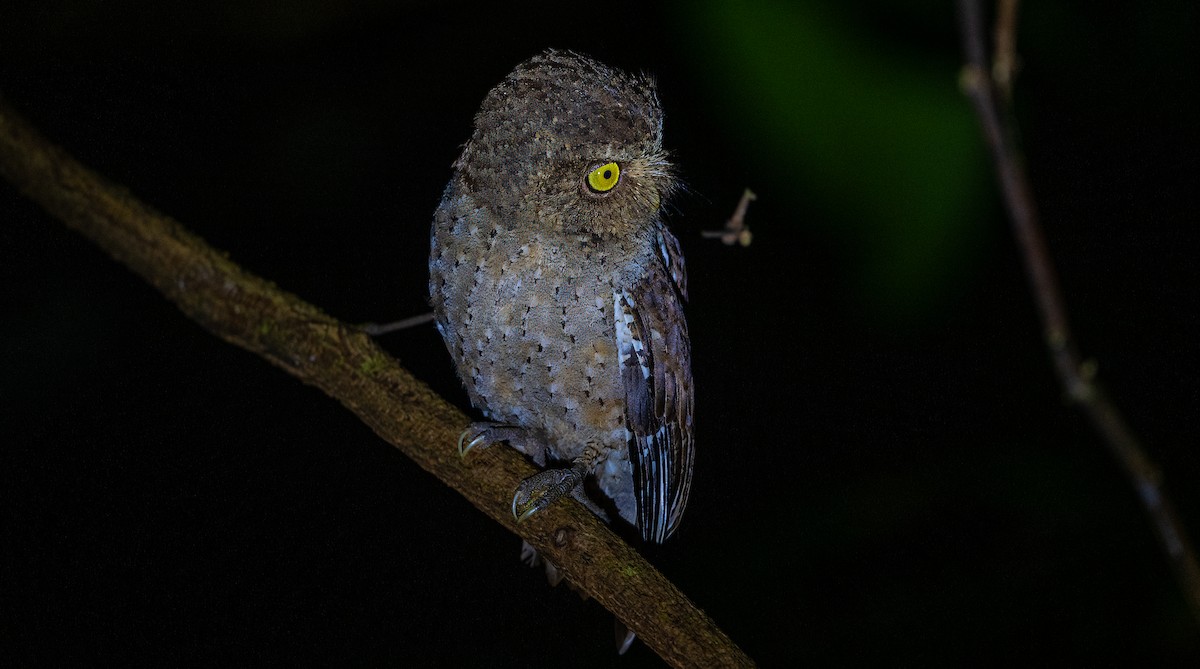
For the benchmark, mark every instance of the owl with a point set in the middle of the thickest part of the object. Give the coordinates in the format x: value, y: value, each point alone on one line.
x: 558, y: 290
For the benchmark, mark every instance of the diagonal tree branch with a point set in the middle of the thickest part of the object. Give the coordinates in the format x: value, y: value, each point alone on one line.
x: 252, y: 313
x: 1076, y: 375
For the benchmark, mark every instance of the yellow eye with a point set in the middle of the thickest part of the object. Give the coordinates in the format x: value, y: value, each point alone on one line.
x: 604, y: 178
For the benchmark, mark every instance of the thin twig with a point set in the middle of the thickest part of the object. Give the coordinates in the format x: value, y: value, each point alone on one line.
x: 1004, y: 59
x: 376, y: 329
x: 347, y: 365
x: 1077, y: 375
x: 735, y: 231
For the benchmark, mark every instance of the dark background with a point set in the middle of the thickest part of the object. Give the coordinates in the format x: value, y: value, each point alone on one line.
x: 887, y: 470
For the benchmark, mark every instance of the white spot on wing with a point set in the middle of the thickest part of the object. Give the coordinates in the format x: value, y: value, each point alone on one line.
x: 628, y: 344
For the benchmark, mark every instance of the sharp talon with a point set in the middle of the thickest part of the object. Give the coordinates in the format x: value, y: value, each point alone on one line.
x: 535, y: 504
x: 463, y: 449
x: 528, y: 512
x: 514, y: 505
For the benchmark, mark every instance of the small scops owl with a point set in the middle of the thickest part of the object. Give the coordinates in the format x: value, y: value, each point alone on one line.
x: 558, y: 288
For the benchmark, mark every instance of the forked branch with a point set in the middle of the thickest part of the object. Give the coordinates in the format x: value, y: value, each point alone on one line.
x: 1076, y: 375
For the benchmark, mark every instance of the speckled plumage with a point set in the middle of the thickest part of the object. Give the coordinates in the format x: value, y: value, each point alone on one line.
x: 561, y: 306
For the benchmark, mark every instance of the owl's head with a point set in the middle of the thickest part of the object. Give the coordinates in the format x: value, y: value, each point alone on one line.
x: 569, y: 144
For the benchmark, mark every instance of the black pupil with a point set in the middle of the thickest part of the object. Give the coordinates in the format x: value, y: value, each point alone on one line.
x: 607, y: 174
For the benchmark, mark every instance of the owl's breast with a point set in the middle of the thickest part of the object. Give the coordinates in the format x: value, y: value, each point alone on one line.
x: 529, y: 320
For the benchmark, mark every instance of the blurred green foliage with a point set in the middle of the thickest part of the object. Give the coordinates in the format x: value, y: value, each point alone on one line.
x: 873, y: 134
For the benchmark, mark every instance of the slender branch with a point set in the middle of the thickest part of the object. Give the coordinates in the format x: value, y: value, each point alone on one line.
x: 1004, y: 60
x: 342, y: 361
x: 735, y: 231
x: 1076, y: 375
x: 376, y: 329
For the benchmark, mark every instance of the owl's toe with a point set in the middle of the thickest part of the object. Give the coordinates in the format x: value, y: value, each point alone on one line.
x: 543, y: 489
x: 470, y: 438
x: 485, y: 433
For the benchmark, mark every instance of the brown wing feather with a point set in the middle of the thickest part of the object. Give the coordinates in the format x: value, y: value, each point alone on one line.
x: 657, y: 376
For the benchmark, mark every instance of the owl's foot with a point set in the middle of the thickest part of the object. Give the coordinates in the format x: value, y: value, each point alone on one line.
x: 483, y: 434
x: 545, y: 488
